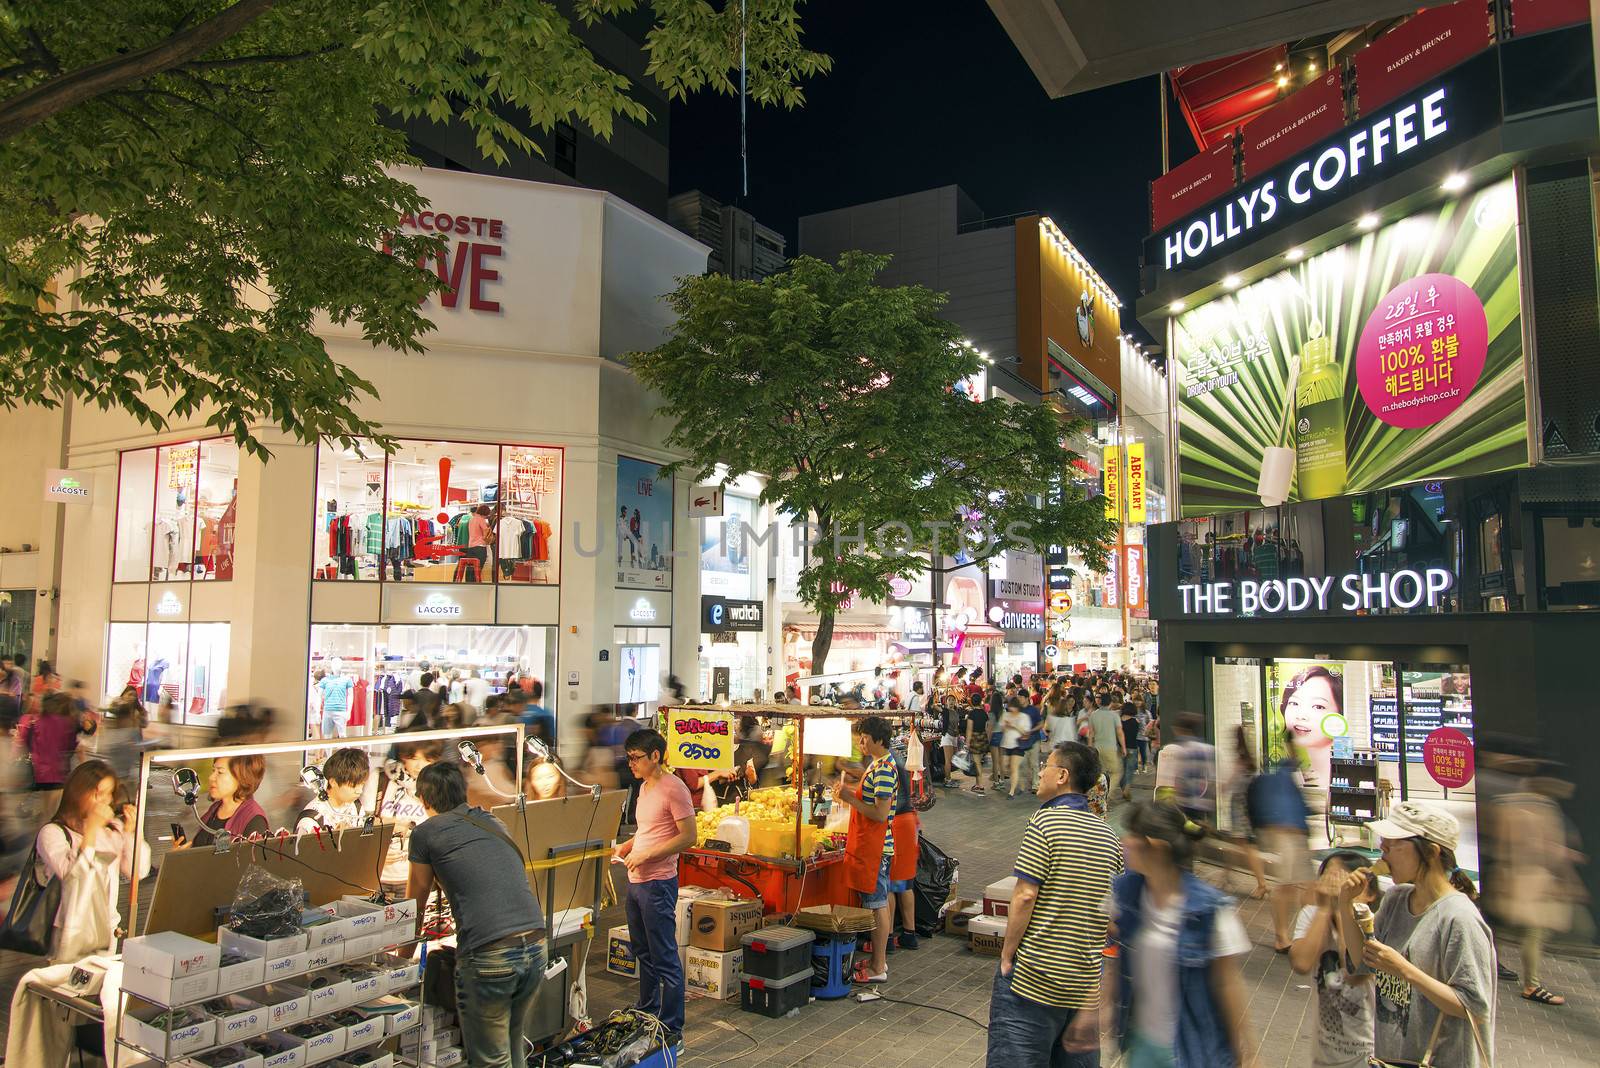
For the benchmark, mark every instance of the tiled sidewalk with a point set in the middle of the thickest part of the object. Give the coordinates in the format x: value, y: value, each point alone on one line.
x: 982, y: 833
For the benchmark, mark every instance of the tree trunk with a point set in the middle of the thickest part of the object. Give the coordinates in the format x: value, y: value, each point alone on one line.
x: 822, y: 643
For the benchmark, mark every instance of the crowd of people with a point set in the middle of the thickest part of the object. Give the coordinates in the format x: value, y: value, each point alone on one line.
x: 1112, y: 931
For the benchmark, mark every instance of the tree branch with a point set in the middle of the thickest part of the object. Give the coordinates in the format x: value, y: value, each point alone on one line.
x: 246, y: 61
x: 49, y: 98
x: 40, y: 49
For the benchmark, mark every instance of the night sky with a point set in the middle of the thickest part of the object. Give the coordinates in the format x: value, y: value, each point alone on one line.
x: 924, y: 95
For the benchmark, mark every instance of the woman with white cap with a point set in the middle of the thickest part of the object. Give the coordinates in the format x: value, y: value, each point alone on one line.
x: 1430, y: 947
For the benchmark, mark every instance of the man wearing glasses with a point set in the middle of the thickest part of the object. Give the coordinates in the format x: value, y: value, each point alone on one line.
x: 666, y: 828
x: 1043, y: 1010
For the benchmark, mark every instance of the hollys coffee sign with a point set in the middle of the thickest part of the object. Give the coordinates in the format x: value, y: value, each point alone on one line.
x: 469, y: 264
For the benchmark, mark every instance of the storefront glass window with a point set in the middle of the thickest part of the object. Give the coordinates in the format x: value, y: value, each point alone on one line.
x: 1438, y: 710
x: 365, y: 668
x: 349, y: 522
x: 527, y: 511
x: 438, y: 511
x: 173, y: 549
x: 136, y: 489
x: 217, y: 510
x: 738, y: 655
x: 16, y: 621
x: 179, y: 670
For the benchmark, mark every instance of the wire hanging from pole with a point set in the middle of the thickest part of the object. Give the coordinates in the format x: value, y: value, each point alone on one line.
x: 744, y: 157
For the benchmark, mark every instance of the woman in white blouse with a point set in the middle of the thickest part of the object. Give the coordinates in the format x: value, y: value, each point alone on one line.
x: 86, y: 846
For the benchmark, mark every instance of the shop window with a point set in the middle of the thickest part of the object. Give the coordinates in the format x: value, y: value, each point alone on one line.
x: 217, y: 509
x: 527, y: 514
x: 178, y: 670
x: 172, y: 551
x: 136, y: 494
x: 367, y: 667
x: 726, y: 565
x: 349, y: 519
x: 438, y: 512
x: 16, y: 621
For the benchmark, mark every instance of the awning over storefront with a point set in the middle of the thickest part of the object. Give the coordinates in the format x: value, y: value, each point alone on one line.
x: 984, y: 634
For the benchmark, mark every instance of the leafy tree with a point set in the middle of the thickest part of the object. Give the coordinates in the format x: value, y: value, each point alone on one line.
x: 177, y: 161
x: 843, y: 393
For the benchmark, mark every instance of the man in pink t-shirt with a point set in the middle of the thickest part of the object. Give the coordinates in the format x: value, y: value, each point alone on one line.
x: 665, y: 828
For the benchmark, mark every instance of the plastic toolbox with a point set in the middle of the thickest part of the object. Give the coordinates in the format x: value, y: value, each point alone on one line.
x: 777, y: 952
x: 776, y: 997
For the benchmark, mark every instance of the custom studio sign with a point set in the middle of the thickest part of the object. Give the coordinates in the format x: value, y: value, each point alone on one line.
x: 1405, y: 589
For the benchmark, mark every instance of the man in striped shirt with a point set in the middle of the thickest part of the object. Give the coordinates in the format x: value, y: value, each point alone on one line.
x: 1044, y: 1007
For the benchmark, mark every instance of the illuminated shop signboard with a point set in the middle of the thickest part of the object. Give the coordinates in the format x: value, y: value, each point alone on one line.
x: 1393, y: 137
x: 1404, y: 589
x: 438, y: 606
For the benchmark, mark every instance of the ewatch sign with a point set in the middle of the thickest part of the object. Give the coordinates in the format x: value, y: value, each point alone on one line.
x: 1398, y: 135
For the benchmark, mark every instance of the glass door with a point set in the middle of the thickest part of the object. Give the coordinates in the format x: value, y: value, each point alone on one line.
x: 1437, y: 734
x: 1236, y: 704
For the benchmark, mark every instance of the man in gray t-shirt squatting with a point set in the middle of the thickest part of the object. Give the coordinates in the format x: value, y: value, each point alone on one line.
x: 499, y: 930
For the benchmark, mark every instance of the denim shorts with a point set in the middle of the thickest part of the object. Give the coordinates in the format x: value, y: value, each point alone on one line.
x: 897, y: 885
x: 880, y: 894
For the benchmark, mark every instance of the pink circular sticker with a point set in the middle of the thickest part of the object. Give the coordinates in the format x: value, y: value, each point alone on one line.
x: 1422, y: 350
x: 1448, y: 756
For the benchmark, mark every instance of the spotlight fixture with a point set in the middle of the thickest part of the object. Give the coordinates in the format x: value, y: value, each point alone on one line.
x: 1295, y: 254
x: 1231, y: 282
x: 1176, y: 306
x: 1283, y: 80
x: 1369, y: 221
x: 1455, y: 183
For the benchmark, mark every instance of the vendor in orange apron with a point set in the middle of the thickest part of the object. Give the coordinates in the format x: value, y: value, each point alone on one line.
x: 869, y: 849
x: 905, y: 826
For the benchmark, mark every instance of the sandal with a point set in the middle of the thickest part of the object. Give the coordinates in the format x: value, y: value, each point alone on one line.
x: 1543, y: 996
x: 862, y: 977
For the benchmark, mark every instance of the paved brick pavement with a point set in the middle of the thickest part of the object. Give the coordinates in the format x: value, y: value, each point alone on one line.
x: 982, y: 834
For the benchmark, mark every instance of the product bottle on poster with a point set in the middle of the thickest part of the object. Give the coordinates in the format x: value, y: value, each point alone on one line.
x: 1319, y: 420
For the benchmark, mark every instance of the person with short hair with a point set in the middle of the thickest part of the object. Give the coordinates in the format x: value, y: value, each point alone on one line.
x: 398, y: 804
x: 499, y: 928
x: 346, y: 772
x: 234, y: 808
x: 1043, y: 1008
x: 869, y: 848
x: 666, y: 827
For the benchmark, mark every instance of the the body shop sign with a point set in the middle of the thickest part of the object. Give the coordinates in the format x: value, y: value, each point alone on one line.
x: 1405, y: 590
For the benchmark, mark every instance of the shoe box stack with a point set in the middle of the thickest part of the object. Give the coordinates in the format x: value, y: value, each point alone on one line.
x: 986, y: 933
x: 619, y: 943
x: 713, y: 962
x: 777, y: 970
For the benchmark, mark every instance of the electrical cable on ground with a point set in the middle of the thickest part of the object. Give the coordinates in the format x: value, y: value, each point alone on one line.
x: 937, y: 1008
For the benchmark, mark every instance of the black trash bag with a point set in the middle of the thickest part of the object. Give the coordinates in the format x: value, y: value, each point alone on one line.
x: 933, y: 757
x: 936, y: 873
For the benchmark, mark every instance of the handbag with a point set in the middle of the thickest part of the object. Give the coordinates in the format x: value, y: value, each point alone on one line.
x: 31, y: 919
x: 1433, y: 1041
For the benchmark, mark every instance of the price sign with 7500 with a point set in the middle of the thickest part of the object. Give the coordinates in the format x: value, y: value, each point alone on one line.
x: 700, y: 738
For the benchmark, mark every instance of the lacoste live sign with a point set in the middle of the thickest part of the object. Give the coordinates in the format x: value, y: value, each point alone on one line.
x: 1404, y: 589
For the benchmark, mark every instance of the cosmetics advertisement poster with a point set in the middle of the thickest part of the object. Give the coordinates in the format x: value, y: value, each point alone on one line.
x: 1393, y: 358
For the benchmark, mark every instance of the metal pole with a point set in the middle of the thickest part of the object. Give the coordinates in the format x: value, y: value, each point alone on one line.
x: 1161, y: 91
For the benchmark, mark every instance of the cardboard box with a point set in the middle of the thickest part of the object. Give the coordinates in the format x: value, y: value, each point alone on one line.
x: 719, y: 924
x: 290, y: 1051
x: 232, y: 978
x: 138, y: 1030
x: 368, y: 945
x: 368, y: 1030
x: 401, y: 974
x: 447, y: 1057
x: 280, y: 968
x: 687, y: 896
x: 324, y: 956
x: 376, y: 1058
x: 240, y: 1058
x: 716, y: 975
x: 286, y: 1004
x: 404, y: 1019
x: 329, y: 992
x: 835, y: 919
x: 360, y: 917
x: 168, y: 955
x: 986, y: 935
x: 325, y: 1045
x: 326, y: 932
x: 619, y: 952
x: 233, y: 942
x: 960, y: 912
x: 997, y: 896
x: 238, y: 1017
x: 188, y: 990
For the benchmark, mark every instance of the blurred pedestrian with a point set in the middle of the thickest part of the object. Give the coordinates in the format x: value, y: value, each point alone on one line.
x: 48, y: 738
x: 1014, y: 728
x: 1194, y: 779
x: 1344, y: 999
x: 1245, y: 771
x: 1278, y: 813
x: 1179, y: 994
x: 1435, y: 992
x: 1130, y: 748
x: 13, y: 687
x: 1105, y: 734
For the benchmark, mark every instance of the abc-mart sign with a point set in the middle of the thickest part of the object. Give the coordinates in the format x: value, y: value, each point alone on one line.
x: 1413, y: 128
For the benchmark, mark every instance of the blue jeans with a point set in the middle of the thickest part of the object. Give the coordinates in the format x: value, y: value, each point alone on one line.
x: 653, y: 937
x: 880, y: 894
x: 1144, y: 751
x: 1026, y: 1034
x: 494, y: 988
x: 1130, y: 764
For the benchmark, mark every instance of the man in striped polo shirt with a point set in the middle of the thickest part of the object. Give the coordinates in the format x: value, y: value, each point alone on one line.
x: 1044, y: 1009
